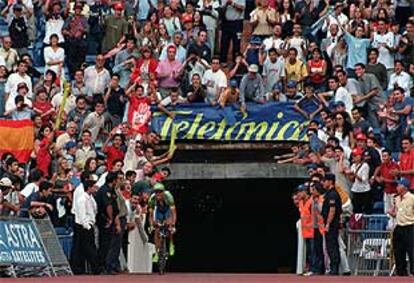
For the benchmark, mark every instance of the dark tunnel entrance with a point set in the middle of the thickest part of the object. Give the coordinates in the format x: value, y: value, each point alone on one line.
x: 235, y: 226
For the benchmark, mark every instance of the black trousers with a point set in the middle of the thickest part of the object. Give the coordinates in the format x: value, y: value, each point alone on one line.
x: 403, y: 242
x: 230, y: 32
x: 362, y: 202
x: 84, y: 250
x: 332, y: 246
x: 317, y: 256
x: 116, y: 246
x: 106, y: 251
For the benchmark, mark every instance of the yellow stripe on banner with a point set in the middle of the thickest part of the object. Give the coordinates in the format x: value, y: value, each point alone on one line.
x: 173, y: 147
x: 16, y: 138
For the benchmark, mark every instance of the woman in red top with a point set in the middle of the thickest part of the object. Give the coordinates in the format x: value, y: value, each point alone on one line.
x: 145, y: 67
x: 42, y: 106
x: 317, y: 70
x: 44, y: 156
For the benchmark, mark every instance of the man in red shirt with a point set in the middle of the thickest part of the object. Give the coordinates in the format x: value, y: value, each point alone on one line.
x: 383, y: 175
x: 406, y: 161
x: 114, y: 151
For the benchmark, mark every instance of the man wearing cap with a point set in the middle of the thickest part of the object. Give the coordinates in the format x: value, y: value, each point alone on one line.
x: 361, y: 188
x: 331, y: 212
x: 276, y: 94
x: 317, y: 265
x: 116, y: 27
x: 403, y: 235
x: 85, y: 211
x: 251, y: 87
x: 292, y: 93
x: 230, y: 95
x: 22, y: 90
x: 306, y: 223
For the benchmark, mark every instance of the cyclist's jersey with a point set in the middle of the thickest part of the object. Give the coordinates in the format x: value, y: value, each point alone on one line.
x: 168, y: 201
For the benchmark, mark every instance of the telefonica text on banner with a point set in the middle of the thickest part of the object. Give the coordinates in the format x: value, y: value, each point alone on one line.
x: 20, y: 243
x: 263, y: 122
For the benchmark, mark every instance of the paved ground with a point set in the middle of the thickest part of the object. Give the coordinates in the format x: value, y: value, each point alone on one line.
x: 210, y: 278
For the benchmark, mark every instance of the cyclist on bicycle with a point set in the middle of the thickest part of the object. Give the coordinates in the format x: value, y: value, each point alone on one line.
x: 162, y: 210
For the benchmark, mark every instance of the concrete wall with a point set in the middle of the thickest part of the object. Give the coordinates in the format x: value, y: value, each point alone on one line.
x: 200, y: 171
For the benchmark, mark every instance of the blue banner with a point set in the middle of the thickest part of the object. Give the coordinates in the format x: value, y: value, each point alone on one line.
x: 20, y: 244
x: 263, y: 122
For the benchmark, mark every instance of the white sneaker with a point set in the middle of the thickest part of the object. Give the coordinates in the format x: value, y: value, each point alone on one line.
x: 309, y: 273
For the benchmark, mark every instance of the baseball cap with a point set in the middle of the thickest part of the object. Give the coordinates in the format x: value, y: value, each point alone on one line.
x: 404, y: 182
x: 159, y: 187
x: 78, y: 6
x: 339, y: 103
x: 17, y: 7
x: 311, y: 166
x: 301, y: 188
x: 141, y: 187
x: 6, y: 182
x: 291, y: 84
x: 357, y: 151
x: 255, y: 40
x: 70, y: 144
x: 118, y: 6
x: 233, y: 83
x: 253, y: 68
x: 318, y: 187
x: 22, y: 85
x: 187, y: 19
x: 361, y: 137
x: 277, y: 86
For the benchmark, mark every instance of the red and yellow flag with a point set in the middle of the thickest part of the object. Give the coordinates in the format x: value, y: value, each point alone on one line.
x: 17, y: 137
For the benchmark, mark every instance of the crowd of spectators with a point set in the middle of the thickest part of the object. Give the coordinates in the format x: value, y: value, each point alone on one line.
x: 88, y: 72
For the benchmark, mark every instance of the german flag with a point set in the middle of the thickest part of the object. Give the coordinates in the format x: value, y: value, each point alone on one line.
x: 17, y: 137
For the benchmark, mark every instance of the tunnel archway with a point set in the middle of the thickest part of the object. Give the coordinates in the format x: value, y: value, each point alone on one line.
x: 235, y: 225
